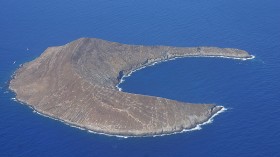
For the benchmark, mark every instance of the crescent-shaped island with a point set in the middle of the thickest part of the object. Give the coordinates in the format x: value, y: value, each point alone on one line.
x: 77, y: 84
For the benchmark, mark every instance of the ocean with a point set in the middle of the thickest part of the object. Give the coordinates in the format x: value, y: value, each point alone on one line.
x: 250, y: 90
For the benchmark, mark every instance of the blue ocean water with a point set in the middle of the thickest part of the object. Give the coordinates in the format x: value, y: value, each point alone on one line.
x: 249, y: 89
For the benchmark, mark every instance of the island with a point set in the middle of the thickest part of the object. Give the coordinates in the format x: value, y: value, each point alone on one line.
x: 78, y: 84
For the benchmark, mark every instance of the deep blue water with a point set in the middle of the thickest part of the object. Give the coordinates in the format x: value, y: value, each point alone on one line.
x: 249, y: 89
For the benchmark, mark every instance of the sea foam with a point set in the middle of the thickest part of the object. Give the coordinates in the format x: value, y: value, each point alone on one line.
x: 197, y: 127
x: 174, y: 58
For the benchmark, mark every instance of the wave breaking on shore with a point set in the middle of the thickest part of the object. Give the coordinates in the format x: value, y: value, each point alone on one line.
x: 122, y: 79
x: 197, y: 127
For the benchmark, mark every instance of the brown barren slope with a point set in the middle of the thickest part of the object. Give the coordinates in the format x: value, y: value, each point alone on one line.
x: 77, y: 82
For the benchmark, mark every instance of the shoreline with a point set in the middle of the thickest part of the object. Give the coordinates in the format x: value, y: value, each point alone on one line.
x: 174, y: 58
x: 91, y: 84
x: 196, y: 128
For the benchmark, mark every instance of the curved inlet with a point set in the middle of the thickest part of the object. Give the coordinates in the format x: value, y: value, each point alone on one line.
x: 76, y: 83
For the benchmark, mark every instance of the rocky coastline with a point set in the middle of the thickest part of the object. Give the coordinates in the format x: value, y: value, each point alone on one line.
x: 77, y: 84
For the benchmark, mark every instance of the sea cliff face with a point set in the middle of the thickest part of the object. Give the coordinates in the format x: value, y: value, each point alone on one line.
x: 76, y: 83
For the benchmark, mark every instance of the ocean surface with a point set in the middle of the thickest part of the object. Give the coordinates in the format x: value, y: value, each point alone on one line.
x: 250, y: 90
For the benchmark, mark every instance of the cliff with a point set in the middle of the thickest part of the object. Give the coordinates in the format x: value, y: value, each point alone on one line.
x: 77, y: 82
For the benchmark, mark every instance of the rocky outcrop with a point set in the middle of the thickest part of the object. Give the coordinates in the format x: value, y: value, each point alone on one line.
x: 77, y: 82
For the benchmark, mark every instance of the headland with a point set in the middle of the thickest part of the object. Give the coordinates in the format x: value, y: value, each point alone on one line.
x: 77, y: 84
